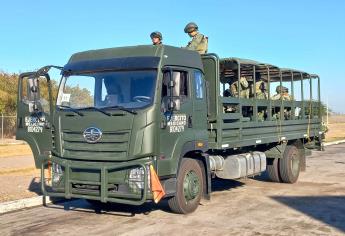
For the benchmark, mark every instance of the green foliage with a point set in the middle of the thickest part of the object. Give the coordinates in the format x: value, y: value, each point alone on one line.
x: 80, y: 97
x: 315, y: 106
x: 8, y: 93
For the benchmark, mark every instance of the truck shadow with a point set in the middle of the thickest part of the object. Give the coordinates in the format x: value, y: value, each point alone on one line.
x: 219, y: 185
x: 327, y: 209
x: 35, y: 186
x: 129, y: 210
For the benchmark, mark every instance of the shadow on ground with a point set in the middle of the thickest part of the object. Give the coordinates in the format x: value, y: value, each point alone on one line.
x: 327, y: 209
x: 35, y: 186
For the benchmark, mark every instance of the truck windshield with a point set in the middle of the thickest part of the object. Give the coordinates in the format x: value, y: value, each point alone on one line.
x: 126, y: 89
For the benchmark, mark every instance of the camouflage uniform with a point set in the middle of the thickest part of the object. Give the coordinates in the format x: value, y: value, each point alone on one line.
x: 260, y: 90
x: 282, y: 93
x: 244, y: 88
x: 233, y: 92
x: 198, y: 43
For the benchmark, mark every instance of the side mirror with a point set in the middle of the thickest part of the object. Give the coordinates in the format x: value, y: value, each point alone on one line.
x: 173, y: 81
x: 176, y: 80
x: 33, y: 95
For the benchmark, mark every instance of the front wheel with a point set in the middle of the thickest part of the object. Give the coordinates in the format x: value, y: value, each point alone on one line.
x: 188, y: 189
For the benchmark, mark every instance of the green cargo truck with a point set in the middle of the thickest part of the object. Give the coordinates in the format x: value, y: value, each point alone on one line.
x: 118, y: 112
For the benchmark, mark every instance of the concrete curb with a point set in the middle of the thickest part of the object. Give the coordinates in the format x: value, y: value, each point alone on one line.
x: 22, y: 203
x: 38, y: 201
x: 334, y: 142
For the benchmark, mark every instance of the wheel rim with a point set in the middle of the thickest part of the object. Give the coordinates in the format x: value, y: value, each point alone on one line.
x: 295, y: 163
x: 191, y: 185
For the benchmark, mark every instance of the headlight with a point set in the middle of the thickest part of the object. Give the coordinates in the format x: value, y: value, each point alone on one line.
x: 136, y: 178
x: 57, y: 173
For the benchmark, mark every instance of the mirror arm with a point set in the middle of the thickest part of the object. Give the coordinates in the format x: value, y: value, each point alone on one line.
x: 44, y: 70
x: 171, y: 85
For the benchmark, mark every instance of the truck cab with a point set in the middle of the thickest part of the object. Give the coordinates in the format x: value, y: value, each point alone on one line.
x: 117, y: 111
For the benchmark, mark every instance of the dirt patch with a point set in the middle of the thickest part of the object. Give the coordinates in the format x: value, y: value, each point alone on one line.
x: 15, y: 150
x: 19, y: 185
x: 336, y: 131
x: 17, y: 171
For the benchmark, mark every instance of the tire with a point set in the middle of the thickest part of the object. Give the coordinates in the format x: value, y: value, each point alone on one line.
x: 273, y: 170
x: 290, y: 164
x: 189, y: 188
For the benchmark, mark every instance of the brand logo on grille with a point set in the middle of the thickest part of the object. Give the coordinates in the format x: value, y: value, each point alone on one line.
x: 92, y: 134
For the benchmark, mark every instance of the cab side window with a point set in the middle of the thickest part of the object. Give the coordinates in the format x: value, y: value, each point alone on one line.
x: 180, y: 79
x: 198, y: 84
x: 183, y: 83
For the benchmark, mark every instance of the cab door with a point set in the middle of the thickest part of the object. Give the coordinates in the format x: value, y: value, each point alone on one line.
x: 176, y: 117
x: 34, y: 107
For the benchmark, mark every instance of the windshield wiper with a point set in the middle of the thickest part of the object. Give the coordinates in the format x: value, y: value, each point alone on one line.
x: 71, y: 109
x: 121, y: 108
x: 97, y: 109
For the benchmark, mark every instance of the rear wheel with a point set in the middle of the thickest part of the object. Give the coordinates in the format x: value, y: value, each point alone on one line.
x: 188, y: 189
x: 273, y: 170
x: 290, y: 164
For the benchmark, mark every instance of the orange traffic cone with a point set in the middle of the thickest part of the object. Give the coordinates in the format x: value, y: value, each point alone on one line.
x: 156, y: 187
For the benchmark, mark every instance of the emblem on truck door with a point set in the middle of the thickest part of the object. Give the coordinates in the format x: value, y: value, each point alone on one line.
x: 92, y: 134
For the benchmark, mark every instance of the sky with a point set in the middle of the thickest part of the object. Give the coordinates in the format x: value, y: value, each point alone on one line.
x: 302, y: 34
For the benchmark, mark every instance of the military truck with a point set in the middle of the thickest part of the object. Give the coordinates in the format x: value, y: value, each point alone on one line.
x: 130, y: 122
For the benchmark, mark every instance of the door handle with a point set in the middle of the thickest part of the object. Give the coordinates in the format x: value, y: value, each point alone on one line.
x: 190, y: 122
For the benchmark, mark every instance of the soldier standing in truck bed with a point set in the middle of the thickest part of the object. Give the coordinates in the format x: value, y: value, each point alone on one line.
x: 156, y: 38
x: 199, y: 42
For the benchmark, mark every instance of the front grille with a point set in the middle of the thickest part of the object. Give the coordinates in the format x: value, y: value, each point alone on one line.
x: 112, y: 146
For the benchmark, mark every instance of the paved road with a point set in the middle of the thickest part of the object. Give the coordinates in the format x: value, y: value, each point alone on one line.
x: 313, y: 206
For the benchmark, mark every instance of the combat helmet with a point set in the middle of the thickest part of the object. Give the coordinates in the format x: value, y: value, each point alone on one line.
x: 156, y: 34
x: 282, y: 89
x: 190, y: 27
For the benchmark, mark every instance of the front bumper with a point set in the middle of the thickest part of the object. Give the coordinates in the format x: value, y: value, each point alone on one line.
x: 100, y: 176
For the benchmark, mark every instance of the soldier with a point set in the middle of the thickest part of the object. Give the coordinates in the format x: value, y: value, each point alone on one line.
x: 233, y: 88
x: 244, y: 88
x: 282, y: 93
x: 232, y: 91
x: 199, y: 42
x: 156, y: 38
x: 260, y: 88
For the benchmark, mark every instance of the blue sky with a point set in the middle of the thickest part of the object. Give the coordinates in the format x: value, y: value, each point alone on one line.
x: 306, y: 35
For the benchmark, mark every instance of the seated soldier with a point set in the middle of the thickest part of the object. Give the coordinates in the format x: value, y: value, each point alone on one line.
x: 282, y: 93
x: 260, y: 88
x: 233, y: 90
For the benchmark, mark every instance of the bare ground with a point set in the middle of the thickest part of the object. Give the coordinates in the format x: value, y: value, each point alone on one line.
x: 313, y: 206
x: 18, y: 178
x: 336, y: 128
x: 17, y: 164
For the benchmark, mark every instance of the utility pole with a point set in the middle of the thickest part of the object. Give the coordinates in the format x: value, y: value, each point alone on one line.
x: 327, y: 115
x: 2, y: 128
